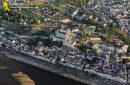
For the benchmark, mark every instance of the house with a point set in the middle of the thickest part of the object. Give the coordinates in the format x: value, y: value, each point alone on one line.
x: 94, y: 40
x: 100, y: 19
x: 96, y: 47
x: 1, y: 28
x: 75, y: 12
x: 122, y: 50
x: 118, y: 23
x: 76, y: 30
x: 65, y: 21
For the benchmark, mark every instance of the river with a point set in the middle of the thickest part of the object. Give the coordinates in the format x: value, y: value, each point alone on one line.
x: 40, y: 77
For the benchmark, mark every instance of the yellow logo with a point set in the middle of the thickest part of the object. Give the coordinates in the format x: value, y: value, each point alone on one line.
x: 5, y: 5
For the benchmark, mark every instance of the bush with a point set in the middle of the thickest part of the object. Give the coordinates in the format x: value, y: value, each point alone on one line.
x: 91, y: 83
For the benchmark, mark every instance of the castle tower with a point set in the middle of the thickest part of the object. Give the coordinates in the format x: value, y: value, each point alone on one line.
x: 68, y: 37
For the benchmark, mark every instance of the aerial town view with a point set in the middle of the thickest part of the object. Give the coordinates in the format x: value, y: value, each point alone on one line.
x: 64, y: 42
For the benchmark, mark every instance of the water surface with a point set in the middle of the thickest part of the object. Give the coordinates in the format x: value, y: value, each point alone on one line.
x: 41, y: 77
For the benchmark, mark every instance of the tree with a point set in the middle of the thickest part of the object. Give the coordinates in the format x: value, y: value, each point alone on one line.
x: 60, y: 58
x: 43, y: 51
x: 122, y: 36
x: 91, y: 83
x: 86, y: 48
x: 114, y: 18
x: 84, y: 34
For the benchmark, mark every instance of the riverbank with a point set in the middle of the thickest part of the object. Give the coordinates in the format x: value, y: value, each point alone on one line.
x: 41, y: 77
